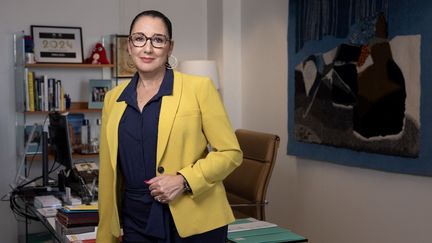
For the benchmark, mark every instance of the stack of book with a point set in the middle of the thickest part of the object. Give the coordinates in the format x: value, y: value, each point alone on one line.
x: 64, y: 231
x: 77, y: 219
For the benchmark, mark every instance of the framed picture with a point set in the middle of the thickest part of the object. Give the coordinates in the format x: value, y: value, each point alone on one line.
x: 124, y: 67
x: 33, y: 136
x: 54, y: 44
x: 356, y: 120
x: 75, y: 121
x: 97, y: 90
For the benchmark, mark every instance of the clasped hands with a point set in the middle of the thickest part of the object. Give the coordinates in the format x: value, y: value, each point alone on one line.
x: 165, y: 188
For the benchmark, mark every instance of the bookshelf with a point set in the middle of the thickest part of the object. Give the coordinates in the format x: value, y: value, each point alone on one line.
x: 68, y: 65
x: 39, y: 80
x: 76, y: 107
x: 76, y: 156
x: 25, y: 117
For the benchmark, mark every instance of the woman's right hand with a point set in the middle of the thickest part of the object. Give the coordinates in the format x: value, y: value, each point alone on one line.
x: 165, y: 188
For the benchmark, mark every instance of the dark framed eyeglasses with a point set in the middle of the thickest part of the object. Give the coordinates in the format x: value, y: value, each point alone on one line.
x: 140, y: 40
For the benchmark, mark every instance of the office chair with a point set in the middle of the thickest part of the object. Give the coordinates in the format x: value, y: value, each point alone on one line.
x: 246, y: 186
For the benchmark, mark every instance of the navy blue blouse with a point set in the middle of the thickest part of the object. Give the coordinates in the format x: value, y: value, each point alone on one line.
x: 141, y: 214
x: 138, y: 132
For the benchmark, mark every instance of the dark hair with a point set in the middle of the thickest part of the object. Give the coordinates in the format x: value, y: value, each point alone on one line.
x: 154, y: 14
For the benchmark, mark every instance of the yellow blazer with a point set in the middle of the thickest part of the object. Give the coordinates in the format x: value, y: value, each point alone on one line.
x: 192, y: 117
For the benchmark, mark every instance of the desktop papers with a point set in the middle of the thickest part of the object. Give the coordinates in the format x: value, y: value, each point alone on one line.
x: 48, y: 201
x: 251, y: 230
x: 84, y: 237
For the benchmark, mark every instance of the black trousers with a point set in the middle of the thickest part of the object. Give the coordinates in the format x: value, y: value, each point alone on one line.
x: 218, y: 235
x: 140, y: 211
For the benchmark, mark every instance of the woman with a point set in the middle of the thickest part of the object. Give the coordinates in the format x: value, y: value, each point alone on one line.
x: 156, y: 175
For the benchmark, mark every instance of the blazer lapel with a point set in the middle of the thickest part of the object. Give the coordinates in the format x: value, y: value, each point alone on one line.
x: 112, y: 130
x: 167, y: 114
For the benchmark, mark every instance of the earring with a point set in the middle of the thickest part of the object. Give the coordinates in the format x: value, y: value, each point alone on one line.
x: 172, y: 62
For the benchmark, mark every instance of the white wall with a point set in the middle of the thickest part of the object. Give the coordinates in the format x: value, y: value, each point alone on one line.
x: 231, y: 60
x: 264, y: 99
x: 189, y: 20
x: 215, y: 31
x: 325, y: 202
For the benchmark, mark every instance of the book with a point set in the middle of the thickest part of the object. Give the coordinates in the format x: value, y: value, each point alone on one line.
x: 77, y: 218
x: 45, y: 93
x: 30, y: 100
x: 62, y: 101
x: 62, y: 230
x: 26, y: 90
x: 57, y: 95
x: 42, y: 93
x: 37, y: 92
x: 51, y: 92
x: 81, y: 207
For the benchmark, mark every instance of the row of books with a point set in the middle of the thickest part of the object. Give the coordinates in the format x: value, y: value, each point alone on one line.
x: 42, y: 93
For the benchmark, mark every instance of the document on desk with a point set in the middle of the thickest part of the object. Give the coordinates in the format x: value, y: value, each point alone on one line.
x: 84, y: 237
x: 47, y: 201
x: 251, y: 230
x: 82, y: 207
x: 47, y: 212
x: 249, y: 224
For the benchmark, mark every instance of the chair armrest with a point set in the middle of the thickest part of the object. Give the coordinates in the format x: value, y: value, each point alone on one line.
x: 249, y: 204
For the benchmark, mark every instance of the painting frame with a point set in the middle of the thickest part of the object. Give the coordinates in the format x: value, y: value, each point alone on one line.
x: 398, y: 13
x: 96, y: 92
x: 124, y: 67
x: 57, y: 44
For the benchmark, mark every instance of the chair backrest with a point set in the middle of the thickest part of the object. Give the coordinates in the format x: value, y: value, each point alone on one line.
x: 247, y: 185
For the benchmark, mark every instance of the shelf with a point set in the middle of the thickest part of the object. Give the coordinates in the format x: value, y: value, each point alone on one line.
x: 76, y: 107
x: 68, y: 65
x: 75, y: 156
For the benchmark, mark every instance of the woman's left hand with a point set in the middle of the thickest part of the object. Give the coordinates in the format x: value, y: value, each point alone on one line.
x: 165, y: 188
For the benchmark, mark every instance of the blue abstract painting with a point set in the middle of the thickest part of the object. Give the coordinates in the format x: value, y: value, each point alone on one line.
x: 359, y: 83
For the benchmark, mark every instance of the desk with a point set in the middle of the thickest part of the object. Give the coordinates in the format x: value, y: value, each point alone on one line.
x: 265, y: 232
x: 255, y: 231
x: 25, y: 201
x: 22, y: 203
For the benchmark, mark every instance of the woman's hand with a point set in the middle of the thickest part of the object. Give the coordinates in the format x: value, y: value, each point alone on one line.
x: 165, y: 188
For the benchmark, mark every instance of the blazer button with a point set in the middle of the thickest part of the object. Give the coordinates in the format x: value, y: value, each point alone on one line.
x: 160, y: 169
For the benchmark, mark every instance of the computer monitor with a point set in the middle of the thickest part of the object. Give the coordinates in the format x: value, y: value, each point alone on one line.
x: 59, y: 139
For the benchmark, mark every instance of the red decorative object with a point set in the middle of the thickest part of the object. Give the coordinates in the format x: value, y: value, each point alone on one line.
x: 98, y: 55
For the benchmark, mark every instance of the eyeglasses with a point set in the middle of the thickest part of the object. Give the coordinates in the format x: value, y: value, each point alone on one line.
x: 140, y: 40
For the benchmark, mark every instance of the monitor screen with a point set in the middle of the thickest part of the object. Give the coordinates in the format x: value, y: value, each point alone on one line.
x: 59, y: 139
